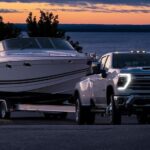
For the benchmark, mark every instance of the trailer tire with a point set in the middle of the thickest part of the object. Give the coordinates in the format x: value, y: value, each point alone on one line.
x: 3, y: 111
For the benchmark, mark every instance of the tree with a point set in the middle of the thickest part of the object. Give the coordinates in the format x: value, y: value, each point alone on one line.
x: 47, y: 26
x: 7, y: 30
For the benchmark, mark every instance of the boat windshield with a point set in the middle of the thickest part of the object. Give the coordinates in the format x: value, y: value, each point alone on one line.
x: 61, y: 43
x: 131, y: 60
x: 37, y: 43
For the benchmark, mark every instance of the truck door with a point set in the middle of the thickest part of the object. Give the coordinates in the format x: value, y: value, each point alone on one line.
x: 99, y: 84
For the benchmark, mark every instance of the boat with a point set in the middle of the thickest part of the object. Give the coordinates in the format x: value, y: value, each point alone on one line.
x: 39, y: 69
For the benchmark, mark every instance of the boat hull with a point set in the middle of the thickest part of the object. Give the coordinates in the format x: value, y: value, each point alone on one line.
x: 41, y: 76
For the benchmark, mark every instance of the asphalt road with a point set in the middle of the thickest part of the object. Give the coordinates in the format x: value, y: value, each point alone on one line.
x: 27, y: 131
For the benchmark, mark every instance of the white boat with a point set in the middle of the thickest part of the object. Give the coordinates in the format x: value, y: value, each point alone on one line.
x: 39, y: 67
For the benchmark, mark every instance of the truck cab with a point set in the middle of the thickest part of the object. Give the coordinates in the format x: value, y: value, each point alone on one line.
x: 119, y: 84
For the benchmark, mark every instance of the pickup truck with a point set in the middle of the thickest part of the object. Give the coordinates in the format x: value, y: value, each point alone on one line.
x: 119, y: 84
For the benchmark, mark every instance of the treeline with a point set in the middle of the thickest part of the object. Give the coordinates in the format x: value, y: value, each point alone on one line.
x: 103, y: 28
x: 7, y: 30
x: 45, y: 26
x: 97, y: 28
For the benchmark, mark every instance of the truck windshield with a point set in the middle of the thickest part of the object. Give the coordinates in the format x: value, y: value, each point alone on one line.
x: 131, y: 60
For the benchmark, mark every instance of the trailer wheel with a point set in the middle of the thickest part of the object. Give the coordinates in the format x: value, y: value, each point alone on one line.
x: 80, y: 112
x: 3, y: 111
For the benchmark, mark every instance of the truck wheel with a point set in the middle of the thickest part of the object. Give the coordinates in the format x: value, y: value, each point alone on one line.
x: 90, y: 116
x: 116, y: 114
x: 3, y: 111
x: 142, y: 118
x: 80, y: 112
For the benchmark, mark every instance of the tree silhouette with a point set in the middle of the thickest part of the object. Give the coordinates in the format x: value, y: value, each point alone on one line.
x: 7, y: 30
x: 47, y: 26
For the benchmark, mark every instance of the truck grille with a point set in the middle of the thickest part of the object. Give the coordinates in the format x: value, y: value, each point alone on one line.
x: 140, y: 82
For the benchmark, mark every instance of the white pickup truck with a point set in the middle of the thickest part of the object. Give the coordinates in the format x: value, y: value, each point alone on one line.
x: 119, y: 85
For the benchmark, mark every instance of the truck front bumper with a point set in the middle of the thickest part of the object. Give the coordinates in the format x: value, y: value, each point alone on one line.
x: 133, y: 102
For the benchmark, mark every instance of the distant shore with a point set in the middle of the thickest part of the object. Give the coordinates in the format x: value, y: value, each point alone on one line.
x: 97, y: 28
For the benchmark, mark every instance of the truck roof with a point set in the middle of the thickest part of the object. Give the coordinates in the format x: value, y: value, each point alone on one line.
x: 128, y: 52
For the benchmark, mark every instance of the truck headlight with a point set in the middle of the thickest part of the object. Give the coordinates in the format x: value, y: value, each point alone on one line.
x: 123, y: 81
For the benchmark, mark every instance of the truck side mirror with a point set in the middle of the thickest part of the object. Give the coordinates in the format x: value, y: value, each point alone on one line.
x: 96, y: 69
x: 104, y: 74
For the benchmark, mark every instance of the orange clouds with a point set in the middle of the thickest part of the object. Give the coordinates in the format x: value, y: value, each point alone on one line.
x: 82, y: 14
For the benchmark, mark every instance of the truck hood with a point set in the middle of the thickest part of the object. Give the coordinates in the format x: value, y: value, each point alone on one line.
x: 136, y: 70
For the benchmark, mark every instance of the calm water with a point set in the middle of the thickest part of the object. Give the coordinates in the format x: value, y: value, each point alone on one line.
x: 102, y: 42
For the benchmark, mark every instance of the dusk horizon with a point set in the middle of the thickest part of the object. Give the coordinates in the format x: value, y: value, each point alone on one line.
x: 110, y: 12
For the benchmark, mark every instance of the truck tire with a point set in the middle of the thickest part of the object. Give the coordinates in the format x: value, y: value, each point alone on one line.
x: 142, y: 118
x: 3, y: 111
x: 90, y: 116
x: 116, y: 114
x: 80, y: 112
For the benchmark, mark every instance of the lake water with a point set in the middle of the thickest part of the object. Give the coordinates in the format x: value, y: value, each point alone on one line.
x: 102, y: 42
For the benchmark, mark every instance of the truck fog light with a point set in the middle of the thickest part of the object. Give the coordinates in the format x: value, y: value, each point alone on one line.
x: 120, y: 100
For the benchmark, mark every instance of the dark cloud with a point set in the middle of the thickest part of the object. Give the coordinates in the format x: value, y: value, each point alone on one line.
x: 82, y: 2
x: 90, y: 5
x: 115, y: 2
x: 122, y: 11
x: 102, y: 10
x: 64, y: 9
x: 8, y: 11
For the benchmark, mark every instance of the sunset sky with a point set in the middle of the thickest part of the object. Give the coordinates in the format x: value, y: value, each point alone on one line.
x: 80, y: 11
